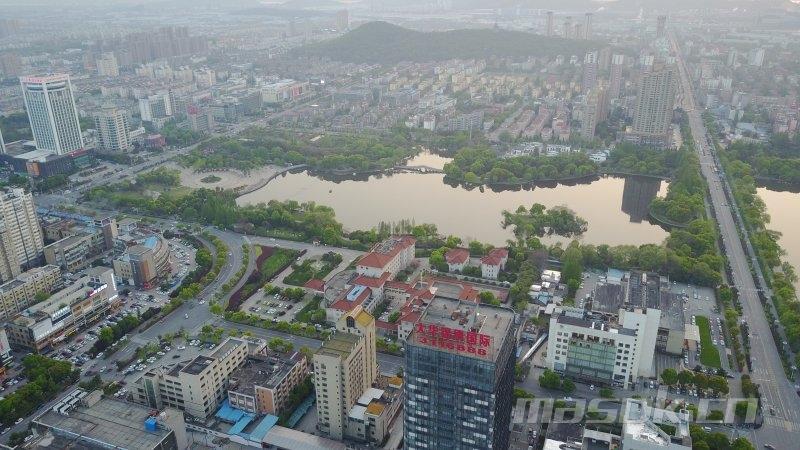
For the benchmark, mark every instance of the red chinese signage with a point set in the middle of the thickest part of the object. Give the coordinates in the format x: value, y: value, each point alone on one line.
x: 454, y: 339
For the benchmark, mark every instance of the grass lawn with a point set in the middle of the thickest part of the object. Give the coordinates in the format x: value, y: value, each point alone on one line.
x: 304, y: 315
x: 709, y: 355
x: 306, y: 271
x: 276, y: 261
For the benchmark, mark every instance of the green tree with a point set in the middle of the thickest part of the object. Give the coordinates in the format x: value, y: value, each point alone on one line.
x: 669, y: 376
x: 568, y: 386
x: 549, y: 380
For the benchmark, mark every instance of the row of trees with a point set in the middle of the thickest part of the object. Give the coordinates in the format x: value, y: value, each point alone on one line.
x: 46, y: 378
x: 483, y: 166
x: 111, y: 334
x: 716, y: 383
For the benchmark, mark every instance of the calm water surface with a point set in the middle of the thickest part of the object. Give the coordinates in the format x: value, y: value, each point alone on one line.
x: 616, y: 208
x: 783, y: 210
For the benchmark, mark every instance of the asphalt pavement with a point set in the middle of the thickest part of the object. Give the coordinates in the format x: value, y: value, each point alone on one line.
x: 782, y: 430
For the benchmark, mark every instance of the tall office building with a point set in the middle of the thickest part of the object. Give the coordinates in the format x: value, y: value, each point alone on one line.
x: 112, y: 127
x: 459, y: 377
x: 52, y: 113
x: 615, y: 78
x: 587, y: 27
x: 107, y: 65
x: 661, y: 27
x: 21, y: 242
x: 589, y: 72
x: 654, y: 103
x: 550, y: 28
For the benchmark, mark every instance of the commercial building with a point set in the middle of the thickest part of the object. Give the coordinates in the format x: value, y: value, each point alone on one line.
x: 143, y: 264
x: 641, y: 430
x: 459, y: 376
x: 200, y: 119
x: 71, y: 253
x: 112, y: 126
x: 392, y: 255
x: 83, y: 302
x: 92, y: 421
x: 283, y: 91
x: 655, y: 100
x: 197, y: 386
x: 52, y: 114
x: 156, y: 109
x: 263, y: 383
x: 606, y: 351
x: 21, y: 292
x: 21, y: 242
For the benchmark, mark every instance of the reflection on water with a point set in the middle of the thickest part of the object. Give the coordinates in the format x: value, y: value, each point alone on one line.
x: 782, y: 207
x: 637, y: 195
x: 470, y: 213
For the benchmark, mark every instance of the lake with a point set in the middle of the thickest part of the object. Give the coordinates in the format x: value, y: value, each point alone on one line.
x: 782, y: 207
x: 616, y: 208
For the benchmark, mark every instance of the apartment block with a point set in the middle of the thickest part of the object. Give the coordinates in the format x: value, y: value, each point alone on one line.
x: 263, y: 383
x: 21, y: 240
x: 20, y: 293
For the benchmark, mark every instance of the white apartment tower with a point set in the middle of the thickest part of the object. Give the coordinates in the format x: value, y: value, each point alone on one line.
x: 112, y: 127
x: 615, y: 78
x: 52, y: 113
x: 21, y: 242
x: 107, y: 65
x: 655, y: 100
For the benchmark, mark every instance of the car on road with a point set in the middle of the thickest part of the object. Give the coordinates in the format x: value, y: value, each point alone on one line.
x: 19, y: 421
x: 181, y: 347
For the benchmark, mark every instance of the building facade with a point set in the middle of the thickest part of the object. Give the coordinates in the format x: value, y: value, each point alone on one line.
x: 112, y: 126
x: 655, y: 100
x: 459, y: 377
x: 263, y: 383
x: 52, y: 113
x: 21, y: 292
x: 21, y: 242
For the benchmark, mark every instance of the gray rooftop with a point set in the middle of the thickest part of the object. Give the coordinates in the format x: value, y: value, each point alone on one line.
x: 263, y: 370
x: 110, y: 421
x: 197, y: 365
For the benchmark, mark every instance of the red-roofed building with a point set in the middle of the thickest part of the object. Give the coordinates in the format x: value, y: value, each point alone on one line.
x: 493, y: 263
x: 392, y: 255
x: 355, y: 296
x: 315, y: 285
x: 457, y: 259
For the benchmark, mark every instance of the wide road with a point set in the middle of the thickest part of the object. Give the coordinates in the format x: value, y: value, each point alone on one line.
x: 782, y: 429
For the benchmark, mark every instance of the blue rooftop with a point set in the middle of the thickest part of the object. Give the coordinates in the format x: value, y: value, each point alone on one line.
x: 355, y: 292
x: 227, y: 413
x: 150, y: 242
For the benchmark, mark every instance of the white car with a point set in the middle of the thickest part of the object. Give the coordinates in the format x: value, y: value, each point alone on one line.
x: 181, y: 347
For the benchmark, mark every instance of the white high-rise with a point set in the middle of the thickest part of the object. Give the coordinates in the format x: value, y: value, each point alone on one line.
x: 655, y: 100
x: 52, y: 113
x: 112, y: 127
x: 21, y: 242
x: 107, y: 65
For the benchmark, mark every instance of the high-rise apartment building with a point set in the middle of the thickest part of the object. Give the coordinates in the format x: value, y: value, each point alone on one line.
x: 21, y: 242
x: 550, y: 27
x: 107, y: 65
x: 587, y: 27
x: 654, y: 103
x: 156, y: 109
x: 344, y: 369
x: 589, y: 72
x: 594, y: 111
x: 615, y: 77
x: 566, y: 32
x: 112, y: 126
x: 52, y: 113
x: 459, y: 377
x: 661, y: 27
x: 342, y: 20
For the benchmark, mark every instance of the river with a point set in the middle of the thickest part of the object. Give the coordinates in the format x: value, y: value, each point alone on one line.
x: 616, y: 208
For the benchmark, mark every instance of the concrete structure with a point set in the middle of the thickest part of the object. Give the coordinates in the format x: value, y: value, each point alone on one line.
x: 21, y: 242
x: 83, y: 302
x: 459, y: 376
x: 197, y: 386
x: 71, y: 253
x: 52, y: 114
x: 263, y: 383
x: 21, y: 292
x: 589, y: 347
x: 89, y: 420
x: 640, y: 430
x: 142, y: 265
x: 655, y: 100
x: 200, y: 119
x: 156, y: 109
x: 107, y: 65
x: 493, y: 263
x: 392, y: 256
x: 112, y: 126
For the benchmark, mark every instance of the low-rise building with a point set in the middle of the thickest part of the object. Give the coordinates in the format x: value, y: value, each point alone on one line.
x: 85, y: 301
x: 90, y: 420
x: 392, y: 255
x: 197, y: 386
x: 457, y: 259
x: 493, y: 263
x: 21, y: 292
x: 641, y: 431
x: 71, y: 253
x: 263, y: 383
x: 143, y: 264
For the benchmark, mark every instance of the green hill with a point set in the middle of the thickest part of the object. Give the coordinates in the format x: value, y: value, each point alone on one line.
x: 381, y: 42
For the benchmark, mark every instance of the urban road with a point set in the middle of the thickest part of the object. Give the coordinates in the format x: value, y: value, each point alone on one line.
x: 781, y: 429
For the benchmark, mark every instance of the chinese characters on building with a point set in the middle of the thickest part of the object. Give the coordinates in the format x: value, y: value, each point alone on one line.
x: 454, y: 339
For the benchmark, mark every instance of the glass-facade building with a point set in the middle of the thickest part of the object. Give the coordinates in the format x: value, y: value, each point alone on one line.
x: 52, y: 113
x: 457, y: 400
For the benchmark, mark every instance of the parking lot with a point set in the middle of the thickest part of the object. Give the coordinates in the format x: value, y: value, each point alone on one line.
x: 273, y: 307
x: 701, y: 301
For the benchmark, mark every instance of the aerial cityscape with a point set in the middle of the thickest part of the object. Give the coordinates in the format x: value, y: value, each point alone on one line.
x: 400, y: 224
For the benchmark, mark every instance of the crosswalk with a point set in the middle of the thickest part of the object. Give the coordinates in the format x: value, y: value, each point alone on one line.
x: 777, y: 422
